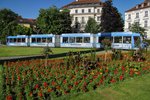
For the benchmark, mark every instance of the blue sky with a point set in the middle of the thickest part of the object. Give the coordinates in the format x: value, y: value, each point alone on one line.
x: 30, y: 8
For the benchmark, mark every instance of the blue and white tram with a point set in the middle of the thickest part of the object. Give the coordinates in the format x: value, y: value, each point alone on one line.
x: 79, y: 40
x: 126, y: 40
x: 19, y: 40
x: 42, y: 40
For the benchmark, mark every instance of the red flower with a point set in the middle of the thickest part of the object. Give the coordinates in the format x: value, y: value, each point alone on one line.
x: 19, y: 78
x: 40, y: 94
x: 45, y: 84
x: 121, y: 77
x: 49, y: 90
x: 115, y: 71
x: 9, y: 97
x: 101, y: 81
x: 113, y: 80
x: 31, y: 94
x: 75, y: 83
x: 123, y: 68
x: 36, y: 86
x: 64, y: 81
x: 53, y: 83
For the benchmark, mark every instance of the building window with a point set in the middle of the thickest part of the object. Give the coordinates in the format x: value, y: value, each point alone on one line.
x: 76, y: 19
x: 129, y: 25
x: 83, y: 21
x: 89, y: 10
x: 82, y: 10
x: 76, y: 11
x: 145, y: 23
x: 146, y: 13
x: 137, y: 23
x: 98, y: 18
x: 98, y: 10
x: 137, y: 15
x: 129, y: 16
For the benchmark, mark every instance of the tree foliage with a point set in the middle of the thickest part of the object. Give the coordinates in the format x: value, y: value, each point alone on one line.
x: 7, y: 23
x: 91, y: 26
x: 51, y: 20
x: 22, y: 30
x: 135, y: 27
x: 111, y: 20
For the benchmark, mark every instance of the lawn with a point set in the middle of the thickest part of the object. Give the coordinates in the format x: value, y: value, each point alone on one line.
x: 26, y: 51
x: 131, y: 89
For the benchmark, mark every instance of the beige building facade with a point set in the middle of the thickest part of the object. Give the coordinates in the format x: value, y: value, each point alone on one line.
x: 139, y: 14
x: 82, y: 10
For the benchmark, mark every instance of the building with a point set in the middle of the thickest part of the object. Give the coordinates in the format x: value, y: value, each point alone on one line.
x: 139, y: 14
x: 82, y: 10
x: 26, y: 22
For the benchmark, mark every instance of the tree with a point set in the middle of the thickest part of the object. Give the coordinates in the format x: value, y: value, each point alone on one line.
x: 65, y: 20
x: 135, y: 27
x: 7, y: 23
x: 91, y: 26
x: 111, y: 20
x: 22, y: 30
x: 51, y: 20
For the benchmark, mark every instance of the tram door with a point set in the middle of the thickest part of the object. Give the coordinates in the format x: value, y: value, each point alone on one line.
x: 137, y: 41
x: 57, y: 40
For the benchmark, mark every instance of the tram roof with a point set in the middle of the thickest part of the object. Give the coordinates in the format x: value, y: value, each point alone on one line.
x: 76, y: 34
x: 42, y: 35
x: 18, y: 36
x: 125, y: 34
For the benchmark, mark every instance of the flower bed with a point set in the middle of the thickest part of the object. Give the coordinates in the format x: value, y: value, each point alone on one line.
x: 33, y: 80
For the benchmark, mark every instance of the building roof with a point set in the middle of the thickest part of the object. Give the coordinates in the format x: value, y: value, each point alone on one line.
x: 82, y: 2
x: 143, y: 5
x: 26, y: 21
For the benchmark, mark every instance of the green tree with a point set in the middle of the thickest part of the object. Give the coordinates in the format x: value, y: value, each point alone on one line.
x: 22, y: 30
x: 111, y: 20
x: 91, y: 26
x: 65, y: 20
x: 135, y: 27
x: 8, y: 23
x: 51, y: 20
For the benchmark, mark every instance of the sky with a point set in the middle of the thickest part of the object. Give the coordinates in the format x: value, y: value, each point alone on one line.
x: 30, y: 8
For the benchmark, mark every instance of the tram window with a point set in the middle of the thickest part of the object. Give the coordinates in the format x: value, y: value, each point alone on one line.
x: 49, y: 40
x: 33, y: 40
x: 127, y: 39
x: 72, y: 39
x: 101, y: 39
x: 11, y: 40
x: 79, y: 39
x: 118, y: 39
x: 15, y: 40
x: 86, y: 39
x: 43, y: 40
x: 136, y: 41
x: 19, y: 40
x: 23, y: 39
x: 38, y: 40
x: 65, y: 39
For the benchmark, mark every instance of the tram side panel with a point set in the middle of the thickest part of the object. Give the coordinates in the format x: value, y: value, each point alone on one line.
x: 19, y: 40
x: 42, y: 40
x: 82, y: 40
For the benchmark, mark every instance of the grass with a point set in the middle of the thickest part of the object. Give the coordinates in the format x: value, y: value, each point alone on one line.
x: 131, y: 89
x: 6, y: 51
